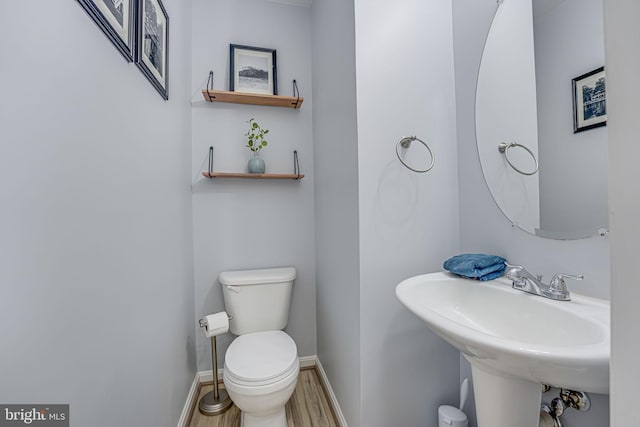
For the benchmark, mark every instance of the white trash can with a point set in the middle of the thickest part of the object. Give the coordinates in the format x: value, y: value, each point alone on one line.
x: 449, y: 416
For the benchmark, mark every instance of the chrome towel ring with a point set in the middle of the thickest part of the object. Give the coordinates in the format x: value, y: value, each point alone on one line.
x: 406, y: 143
x: 503, y: 147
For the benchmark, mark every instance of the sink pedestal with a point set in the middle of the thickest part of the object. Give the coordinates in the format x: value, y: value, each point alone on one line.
x: 503, y: 400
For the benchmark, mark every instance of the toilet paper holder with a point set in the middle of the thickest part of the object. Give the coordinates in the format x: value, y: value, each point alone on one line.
x: 203, y: 322
x: 216, y: 401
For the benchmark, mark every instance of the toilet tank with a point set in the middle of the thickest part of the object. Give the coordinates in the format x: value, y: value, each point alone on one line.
x: 257, y: 300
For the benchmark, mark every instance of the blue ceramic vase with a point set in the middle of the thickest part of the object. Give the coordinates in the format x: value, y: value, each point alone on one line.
x: 256, y: 164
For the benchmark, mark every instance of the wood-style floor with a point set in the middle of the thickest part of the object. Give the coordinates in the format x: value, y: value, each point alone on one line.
x: 308, y: 407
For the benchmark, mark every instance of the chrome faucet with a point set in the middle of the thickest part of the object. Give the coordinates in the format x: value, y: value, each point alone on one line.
x: 527, y: 282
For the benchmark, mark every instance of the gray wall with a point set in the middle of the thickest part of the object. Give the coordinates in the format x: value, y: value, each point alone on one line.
x: 408, y: 221
x: 622, y: 35
x: 96, y: 259
x: 336, y: 201
x: 376, y: 222
x: 240, y: 224
x: 483, y: 228
x: 573, y: 175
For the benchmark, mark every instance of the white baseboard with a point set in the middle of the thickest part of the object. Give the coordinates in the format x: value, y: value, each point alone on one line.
x: 305, y: 362
x: 207, y: 376
x: 333, y: 401
x: 191, y: 397
x: 308, y: 361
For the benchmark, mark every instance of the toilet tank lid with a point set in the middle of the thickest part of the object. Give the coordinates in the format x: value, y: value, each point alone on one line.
x: 253, y: 277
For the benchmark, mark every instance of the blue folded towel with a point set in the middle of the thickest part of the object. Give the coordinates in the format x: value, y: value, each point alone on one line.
x: 476, y: 266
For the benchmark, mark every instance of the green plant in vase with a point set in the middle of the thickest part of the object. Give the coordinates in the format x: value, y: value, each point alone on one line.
x: 255, y: 143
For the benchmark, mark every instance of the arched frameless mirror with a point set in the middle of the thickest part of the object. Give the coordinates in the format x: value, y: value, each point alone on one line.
x: 534, y: 51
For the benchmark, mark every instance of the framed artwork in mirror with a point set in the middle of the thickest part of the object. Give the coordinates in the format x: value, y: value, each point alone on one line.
x: 116, y: 19
x: 589, y: 100
x: 253, y: 70
x: 152, y: 50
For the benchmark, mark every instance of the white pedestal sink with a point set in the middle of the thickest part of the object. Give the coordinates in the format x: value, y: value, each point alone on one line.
x: 514, y: 341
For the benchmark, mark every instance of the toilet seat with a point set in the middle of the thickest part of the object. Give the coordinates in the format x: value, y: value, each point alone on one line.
x: 260, y: 359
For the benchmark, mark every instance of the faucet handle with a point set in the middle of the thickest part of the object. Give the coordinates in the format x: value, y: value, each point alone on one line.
x: 513, y: 269
x: 516, y: 273
x: 557, y: 281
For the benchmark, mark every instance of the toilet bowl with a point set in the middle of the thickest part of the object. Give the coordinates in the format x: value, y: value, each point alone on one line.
x: 260, y: 375
x: 261, y: 365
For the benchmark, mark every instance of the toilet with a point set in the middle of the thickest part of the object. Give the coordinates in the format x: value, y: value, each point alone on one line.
x: 261, y: 365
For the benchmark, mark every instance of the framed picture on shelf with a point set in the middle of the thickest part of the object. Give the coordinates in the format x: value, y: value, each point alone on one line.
x: 152, y: 50
x: 589, y: 101
x: 116, y: 19
x: 253, y: 70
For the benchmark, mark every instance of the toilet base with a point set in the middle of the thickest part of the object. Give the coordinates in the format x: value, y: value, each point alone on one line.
x: 274, y: 419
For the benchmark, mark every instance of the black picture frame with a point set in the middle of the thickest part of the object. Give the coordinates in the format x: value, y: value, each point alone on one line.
x: 253, y: 70
x: 116, y: 22
x: 589, y: 100
x: 152, y: 44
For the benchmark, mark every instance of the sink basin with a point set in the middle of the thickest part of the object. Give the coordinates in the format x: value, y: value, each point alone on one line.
x: 514, y: 341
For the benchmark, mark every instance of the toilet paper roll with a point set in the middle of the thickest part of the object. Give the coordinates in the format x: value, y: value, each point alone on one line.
x: 216, y: 324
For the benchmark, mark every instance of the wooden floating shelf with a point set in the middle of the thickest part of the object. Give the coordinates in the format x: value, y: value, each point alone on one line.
x: 253, y: 175
x: 251, y: 98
